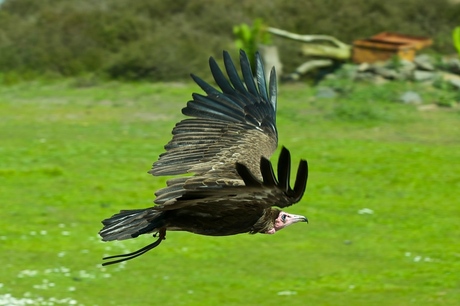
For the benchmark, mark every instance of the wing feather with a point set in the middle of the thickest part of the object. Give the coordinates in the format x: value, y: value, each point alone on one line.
x: 219, y: 77
x: 233, y: 75
x: 273, y: 192
x: 284, y: 169
x: 248, y: 77
x: 301, y: 181
x: 203, y: 85
x: 235, y: 123
x: 272, y: 89
x: 260, y: 77
x: 268, y: 175
x: 265, y: 193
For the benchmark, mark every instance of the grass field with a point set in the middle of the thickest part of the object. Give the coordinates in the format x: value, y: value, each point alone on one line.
x: 383, y: 200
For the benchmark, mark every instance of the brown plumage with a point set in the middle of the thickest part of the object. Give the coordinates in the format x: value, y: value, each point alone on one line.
x: 226, y: 145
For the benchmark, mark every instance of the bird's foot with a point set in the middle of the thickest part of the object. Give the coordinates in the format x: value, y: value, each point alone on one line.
x: 161, y: 234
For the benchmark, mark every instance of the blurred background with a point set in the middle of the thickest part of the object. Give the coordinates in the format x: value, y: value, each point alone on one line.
x: 165, y: 41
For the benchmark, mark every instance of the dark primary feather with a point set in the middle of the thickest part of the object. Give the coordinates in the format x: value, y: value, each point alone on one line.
x: 226, y: 182
x: 284, y: 169
x: 234, y: 125
x: 270, y: 185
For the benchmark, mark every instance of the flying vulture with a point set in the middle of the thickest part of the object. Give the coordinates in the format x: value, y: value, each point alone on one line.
x: 226, y: 144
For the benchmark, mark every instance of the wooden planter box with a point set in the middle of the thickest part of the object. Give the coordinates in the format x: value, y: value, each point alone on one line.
x: 385, y: 45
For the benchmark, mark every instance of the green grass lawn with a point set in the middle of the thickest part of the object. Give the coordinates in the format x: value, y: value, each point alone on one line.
x: 383, y: 200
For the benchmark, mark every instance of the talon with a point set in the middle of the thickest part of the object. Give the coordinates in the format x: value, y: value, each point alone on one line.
x: 162, y: 236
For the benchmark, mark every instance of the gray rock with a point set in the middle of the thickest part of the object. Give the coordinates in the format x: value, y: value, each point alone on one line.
x: 424, y: 62
x: 348, y: 71
x: 325, y: 93
x: 406, y: 65
x: 379, y: 80
x: 370, y: 77
x: 376, y: 65
x: 421, y: 75
x: 452, y: 79
x: 405, y: 75
x: 387, y: 73
x: 406, y: 70
x: 410, y: 97
x: 364, y: 67
x: 364, y: 76
x: 455, y: 83
x: 452, y: 65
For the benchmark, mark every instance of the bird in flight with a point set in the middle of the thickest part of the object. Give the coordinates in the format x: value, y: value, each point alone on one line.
x: 226, y: 144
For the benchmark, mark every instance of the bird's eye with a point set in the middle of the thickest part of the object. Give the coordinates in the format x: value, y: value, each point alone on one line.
x: 283, y: 217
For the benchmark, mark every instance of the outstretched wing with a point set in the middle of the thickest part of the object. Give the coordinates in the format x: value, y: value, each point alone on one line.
x: 266, y: 192
x: 236, y: 125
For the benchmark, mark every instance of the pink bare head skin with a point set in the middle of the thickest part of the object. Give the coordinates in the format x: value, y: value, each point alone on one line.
x: 284, y: 219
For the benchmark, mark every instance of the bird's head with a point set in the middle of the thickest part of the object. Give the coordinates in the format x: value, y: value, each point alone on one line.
x: 284, y: 219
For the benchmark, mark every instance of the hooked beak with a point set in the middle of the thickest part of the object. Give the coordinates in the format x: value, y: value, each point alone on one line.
x: 299, y: 218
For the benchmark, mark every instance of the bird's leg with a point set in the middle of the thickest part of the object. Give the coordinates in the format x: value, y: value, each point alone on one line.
x: 161, y: 236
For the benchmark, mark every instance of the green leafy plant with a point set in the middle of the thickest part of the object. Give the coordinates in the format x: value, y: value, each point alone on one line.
x: 248, y: 38
x: 456, y: 37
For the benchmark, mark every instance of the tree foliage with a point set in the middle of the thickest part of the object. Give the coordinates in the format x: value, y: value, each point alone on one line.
x: 165, y: 40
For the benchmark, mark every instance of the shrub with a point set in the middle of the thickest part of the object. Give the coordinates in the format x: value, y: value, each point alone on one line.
x: 249, y: 38
x: 164, y: 40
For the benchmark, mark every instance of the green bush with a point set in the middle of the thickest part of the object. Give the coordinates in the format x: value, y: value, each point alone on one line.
x: 248, y: 38
x: 165, y: 40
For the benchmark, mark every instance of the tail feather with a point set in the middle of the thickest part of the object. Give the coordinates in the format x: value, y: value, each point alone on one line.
x: 130, y: 224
